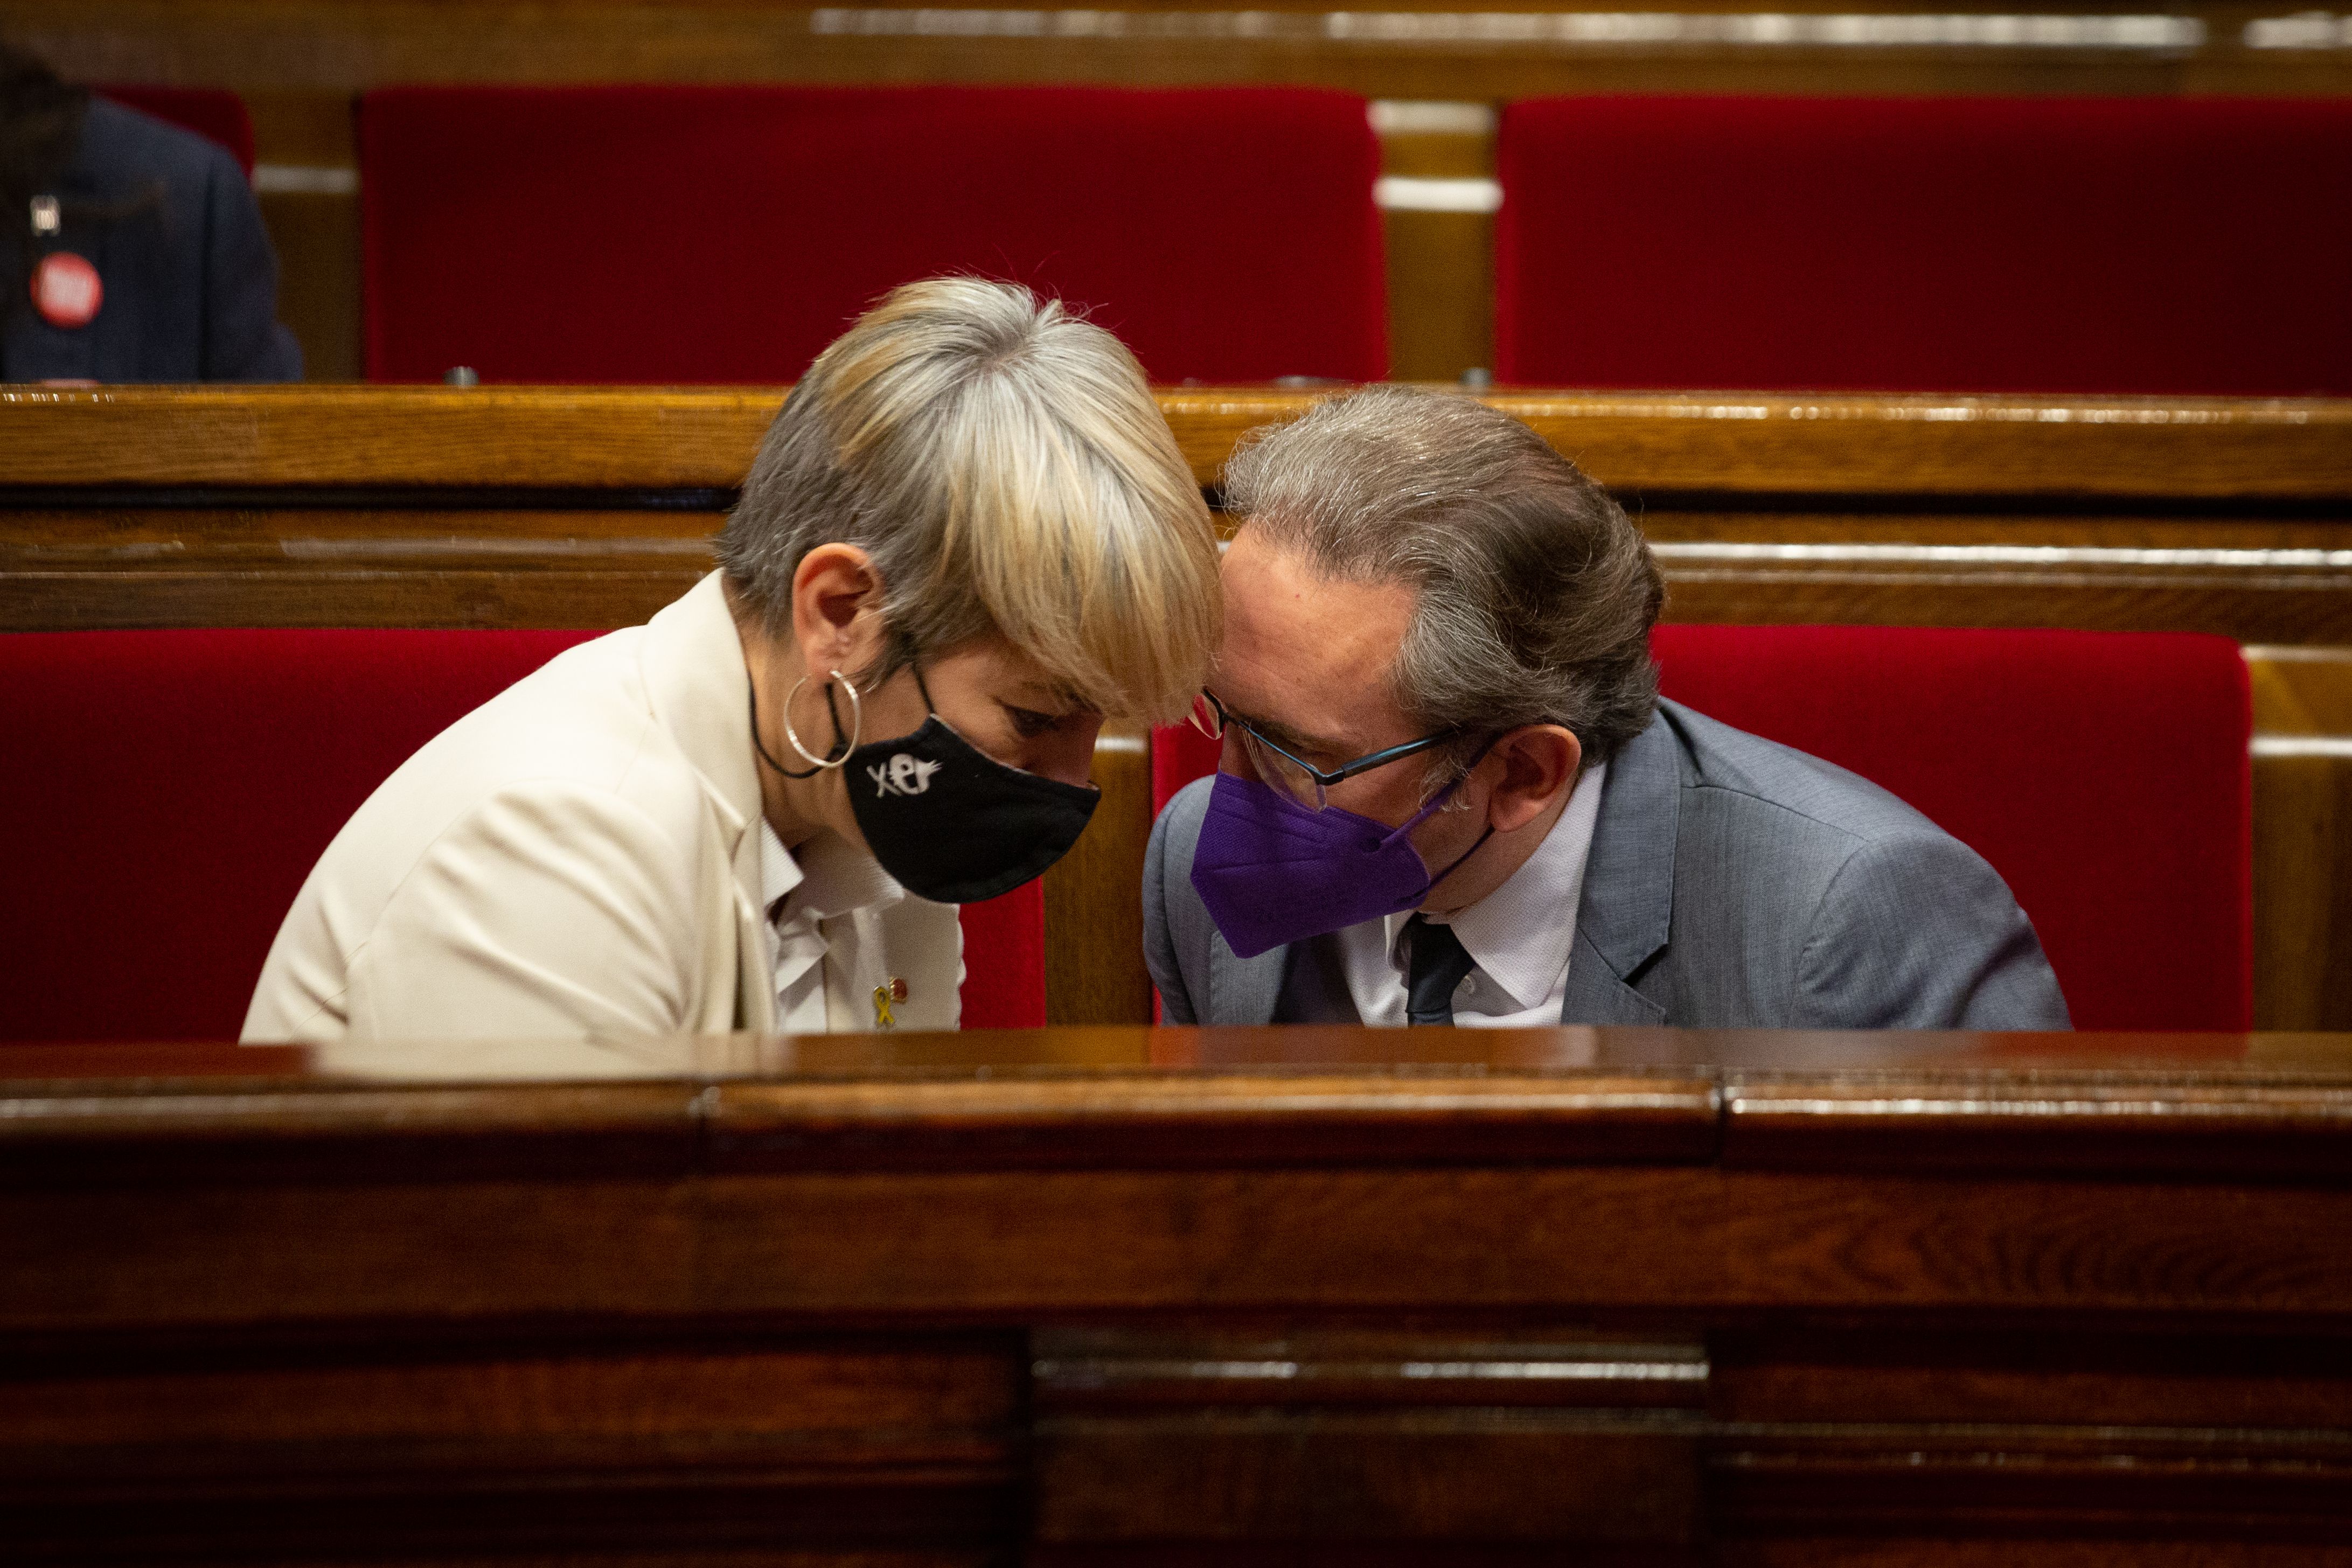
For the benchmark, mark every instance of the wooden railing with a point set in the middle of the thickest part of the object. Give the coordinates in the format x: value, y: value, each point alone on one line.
x: 592, y: 506
x: 1184, y: 1297
x: 587, y: 506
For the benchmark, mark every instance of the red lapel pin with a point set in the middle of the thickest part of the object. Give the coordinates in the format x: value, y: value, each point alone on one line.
x: 67, y: 290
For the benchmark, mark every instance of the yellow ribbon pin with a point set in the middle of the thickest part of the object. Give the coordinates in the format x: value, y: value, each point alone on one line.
x: 882, y: 999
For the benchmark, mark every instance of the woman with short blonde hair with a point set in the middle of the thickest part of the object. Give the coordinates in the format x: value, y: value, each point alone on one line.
x: 968, y: 538
x: 1003, y: 467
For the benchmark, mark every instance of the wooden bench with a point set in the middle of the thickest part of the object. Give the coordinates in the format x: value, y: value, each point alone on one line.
x: 428, y: 507
x: 1184, y: 1297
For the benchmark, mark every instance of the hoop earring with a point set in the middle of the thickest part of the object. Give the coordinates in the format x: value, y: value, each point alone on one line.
x: 856, y: 725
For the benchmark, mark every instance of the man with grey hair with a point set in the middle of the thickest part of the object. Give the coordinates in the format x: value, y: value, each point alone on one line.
x: 1450, y: 792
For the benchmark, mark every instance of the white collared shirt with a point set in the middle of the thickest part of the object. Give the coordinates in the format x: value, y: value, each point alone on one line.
x: 1518, y: 936
x: 820, y: 903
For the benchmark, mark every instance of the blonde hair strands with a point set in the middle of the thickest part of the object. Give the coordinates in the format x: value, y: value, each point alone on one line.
x: 1004, y: 465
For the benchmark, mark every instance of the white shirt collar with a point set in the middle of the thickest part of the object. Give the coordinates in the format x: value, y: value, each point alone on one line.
x: 1519, y: 935
x: 824, y: 879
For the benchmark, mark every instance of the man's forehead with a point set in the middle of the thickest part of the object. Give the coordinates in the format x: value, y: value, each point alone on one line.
x: 1305, y: 650
x: 1275, y: 578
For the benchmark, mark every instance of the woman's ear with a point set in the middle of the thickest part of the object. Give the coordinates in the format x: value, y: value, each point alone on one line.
x: 1538, y: 763
x: 836, y: 593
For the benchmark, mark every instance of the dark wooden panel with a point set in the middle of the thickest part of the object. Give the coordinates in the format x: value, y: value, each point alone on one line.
x: 1368, y: 1436
x: 2049, y: 1122
x: 1855, y: 1372
x: 254, y: 44
x: 1195, y: 1198
x: 2130, y: 1550
x: 131, y: 1259
x: 238, y: 1450
x: 2030, y: 1481
x: 213, y: 1132
x: 947, y: 1400
x: 1539, y: 1240
x: 1085, y: 1297
x: 1229, y: 1119
x: 1286, y: 1476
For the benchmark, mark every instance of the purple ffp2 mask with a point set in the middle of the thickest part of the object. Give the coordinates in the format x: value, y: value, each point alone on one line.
x: 1273, y: 871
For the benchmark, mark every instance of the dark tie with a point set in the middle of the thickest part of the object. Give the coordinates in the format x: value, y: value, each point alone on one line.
x: 1437, y: 964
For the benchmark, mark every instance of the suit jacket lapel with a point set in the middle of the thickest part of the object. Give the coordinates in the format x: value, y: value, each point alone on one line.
x: 1628, y: 903
x: 693, y: 663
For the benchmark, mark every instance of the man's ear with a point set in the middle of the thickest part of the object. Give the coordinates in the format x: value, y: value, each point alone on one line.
x: 835, y: 591
x: 1538, y: 763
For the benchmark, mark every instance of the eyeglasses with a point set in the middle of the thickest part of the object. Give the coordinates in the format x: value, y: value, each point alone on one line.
x: 1301, y: 780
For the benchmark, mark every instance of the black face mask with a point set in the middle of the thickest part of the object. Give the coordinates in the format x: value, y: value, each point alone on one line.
x: 947, y: 821
x: 956, y: 826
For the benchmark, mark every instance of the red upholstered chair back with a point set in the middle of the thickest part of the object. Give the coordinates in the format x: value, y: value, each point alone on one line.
x: 2104, y: 776
x: 170, y: 790
x: 2147, y: 245
x: 690, y: 233
x: 211, y: 112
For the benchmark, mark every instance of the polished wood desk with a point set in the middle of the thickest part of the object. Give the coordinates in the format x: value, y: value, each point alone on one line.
x: 1184, y: 1296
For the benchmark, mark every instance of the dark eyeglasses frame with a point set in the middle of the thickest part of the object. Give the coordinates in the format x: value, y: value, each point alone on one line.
x: 1322, y: 779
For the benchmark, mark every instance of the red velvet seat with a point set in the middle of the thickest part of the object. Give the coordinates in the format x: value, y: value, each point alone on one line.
x: 2145, y: 245
x: 211, y: 112
x: 692, y: 233
x: 171, y: 789
x: 2104, y: 775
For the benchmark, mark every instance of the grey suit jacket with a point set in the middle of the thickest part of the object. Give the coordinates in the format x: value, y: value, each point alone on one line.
x: 1733, y: 884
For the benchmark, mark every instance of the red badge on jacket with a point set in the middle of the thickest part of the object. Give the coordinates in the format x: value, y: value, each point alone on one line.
x: 67, y: 290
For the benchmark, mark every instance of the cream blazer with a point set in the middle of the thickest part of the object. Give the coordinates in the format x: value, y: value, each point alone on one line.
x: 576, y: 859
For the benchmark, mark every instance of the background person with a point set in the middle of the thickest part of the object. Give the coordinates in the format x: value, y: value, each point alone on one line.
x: 968, y: 538
x: 1451, y: 793
x: 134, y: 249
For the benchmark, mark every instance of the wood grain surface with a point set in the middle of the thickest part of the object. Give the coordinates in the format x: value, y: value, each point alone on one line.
x: 1175, y: 1296
x: 585, y: 437
x: 1103, y: 1184
x: 589, y: 437
x: 124, y: 565
x: 284, y: 46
